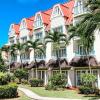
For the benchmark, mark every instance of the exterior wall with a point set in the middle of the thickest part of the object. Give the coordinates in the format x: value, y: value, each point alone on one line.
x: 96, y: 44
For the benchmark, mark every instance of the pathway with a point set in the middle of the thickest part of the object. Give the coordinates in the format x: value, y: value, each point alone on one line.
x: 37, y: 97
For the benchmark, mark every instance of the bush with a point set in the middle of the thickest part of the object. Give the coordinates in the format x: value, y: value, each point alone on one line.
x: 57, y: 81
x: 24, y: 81
x: 3, y: 78
x: 87, y: 81
x: 36, y: 82
x: 8, y: 91
x: 21, y: 74
x: 48, y: 87
x: 87, y: 90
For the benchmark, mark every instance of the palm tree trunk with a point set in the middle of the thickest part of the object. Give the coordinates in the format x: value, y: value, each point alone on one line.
x: 58, y: 61
x: 9, y: 61
x: 21, y: 61
x: 87, y: 56
x: 35, y: 64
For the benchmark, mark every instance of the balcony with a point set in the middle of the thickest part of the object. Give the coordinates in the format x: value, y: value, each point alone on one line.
x: 80, y: 10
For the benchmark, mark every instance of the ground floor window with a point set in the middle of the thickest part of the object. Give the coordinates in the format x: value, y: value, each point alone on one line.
x: 63, y: 72
x: 78, y: 75
x: 41, y: 74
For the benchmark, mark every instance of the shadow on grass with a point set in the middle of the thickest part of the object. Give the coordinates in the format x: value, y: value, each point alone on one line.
x: 92, y: 97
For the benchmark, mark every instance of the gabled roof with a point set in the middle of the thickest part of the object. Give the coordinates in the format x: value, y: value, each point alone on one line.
x: 29, y: 23
x: 67, y: 10
x: 45, y: 17
x: 16, y: 28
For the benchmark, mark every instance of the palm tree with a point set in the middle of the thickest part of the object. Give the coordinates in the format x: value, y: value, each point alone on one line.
x: 19, y: 48
x: 56, y: 38
x: 86, y: 27
x: 1, y: 60
x: 37, y: 46
x: 10, y: 50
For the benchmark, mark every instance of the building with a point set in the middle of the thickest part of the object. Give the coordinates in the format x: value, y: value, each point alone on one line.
x: 58, y: 18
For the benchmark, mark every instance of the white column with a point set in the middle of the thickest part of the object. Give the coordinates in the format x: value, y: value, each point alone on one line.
x: 70, y: 53
x: 71, y: 78
x: 31, y: 55
x: 98, y: 78
x: 48, y: 52
x: 18, y: 57
x: 45, y: 78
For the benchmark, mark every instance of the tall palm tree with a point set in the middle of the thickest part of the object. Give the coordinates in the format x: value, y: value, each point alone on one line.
x: 37, y: 46
x: 56, y: 38
x: 19, y: 48
x: 86, y: 27
x: 10, y: 50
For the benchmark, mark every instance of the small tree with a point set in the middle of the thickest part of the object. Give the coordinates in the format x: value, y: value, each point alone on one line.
x: 88, y: 79
x: 21, y: 74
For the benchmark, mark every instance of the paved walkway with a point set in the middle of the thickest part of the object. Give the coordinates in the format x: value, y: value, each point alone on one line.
x: 37, y: 97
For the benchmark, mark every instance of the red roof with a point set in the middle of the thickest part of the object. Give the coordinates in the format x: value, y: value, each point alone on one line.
x: 67, y: 9
x: 29, y: 24
x: 16, y: 28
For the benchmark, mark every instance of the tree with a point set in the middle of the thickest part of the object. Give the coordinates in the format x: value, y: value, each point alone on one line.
x: 56, y: 38
x: 37, y: 46
x: 86, y: 27
x: 19, y: 48
x: 10, y: 50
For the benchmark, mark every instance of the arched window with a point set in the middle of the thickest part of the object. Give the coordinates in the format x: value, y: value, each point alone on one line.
x: 56, y: 11
x: 38, y: 21
x: 23, y: 24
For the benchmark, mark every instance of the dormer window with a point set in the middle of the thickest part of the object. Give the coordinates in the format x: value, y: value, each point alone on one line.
x: 38, y: 22
x: 23, y: 24
x: 56, y: 11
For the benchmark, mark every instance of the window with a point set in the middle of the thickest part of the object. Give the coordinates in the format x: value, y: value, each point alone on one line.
x: 63, y: 72
x: 11, y: 40
x: 14, y: 58
x: 41, y: 74
x: 25, y: 56
x: 76, y: 9
x: 58, y: 29
x: 39, y: 35
x: 61, y: 52
x: 56, y: 11
x: 40, y: 55
x: 23, y: 24
x: 38, y: 22
x: 24, y: 39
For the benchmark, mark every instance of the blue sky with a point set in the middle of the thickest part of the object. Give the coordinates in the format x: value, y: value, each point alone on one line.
x: 12, y: 11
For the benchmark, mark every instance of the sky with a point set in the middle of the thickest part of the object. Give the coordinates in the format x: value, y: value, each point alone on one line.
x: 12, y: 11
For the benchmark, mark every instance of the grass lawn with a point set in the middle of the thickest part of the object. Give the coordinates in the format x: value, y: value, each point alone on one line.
x: 72, y: 94
x: 21, y: 96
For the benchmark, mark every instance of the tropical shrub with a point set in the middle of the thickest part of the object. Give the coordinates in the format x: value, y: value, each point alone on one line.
x: 88, y: 86
x: 88, y: 79
x: 57, y: 81
x: 8, y: 91
x: 87, y: 90
x: 21, y: 74
x: 3, y: 68
x: 36, y: 82
x: 3, y: 78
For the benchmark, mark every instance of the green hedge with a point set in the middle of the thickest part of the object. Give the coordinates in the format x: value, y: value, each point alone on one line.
x: 87, y: 90
x: 8, y: 91
x: 36, y: 82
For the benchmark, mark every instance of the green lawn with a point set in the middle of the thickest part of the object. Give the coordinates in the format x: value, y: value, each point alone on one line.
x: 72, y: 94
